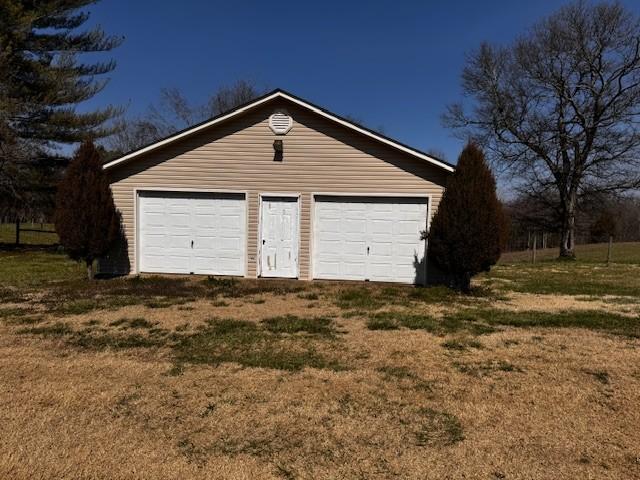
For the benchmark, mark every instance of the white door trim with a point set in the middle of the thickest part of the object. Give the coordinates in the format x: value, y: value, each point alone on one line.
x: 170, y: 189
x: 261, y: 196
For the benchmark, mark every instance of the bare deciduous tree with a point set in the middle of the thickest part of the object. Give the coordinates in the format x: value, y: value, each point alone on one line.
x: 558, y: 109
x: 173, y: 112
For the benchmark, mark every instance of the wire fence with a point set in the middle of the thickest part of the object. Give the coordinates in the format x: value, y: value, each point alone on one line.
x: 27, y: 233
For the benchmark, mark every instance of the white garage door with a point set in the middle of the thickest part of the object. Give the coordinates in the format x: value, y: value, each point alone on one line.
x: 192, y: 233
x: 369, y: 238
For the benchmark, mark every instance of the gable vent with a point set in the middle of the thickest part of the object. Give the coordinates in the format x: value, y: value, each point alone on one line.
x: 280, y: 123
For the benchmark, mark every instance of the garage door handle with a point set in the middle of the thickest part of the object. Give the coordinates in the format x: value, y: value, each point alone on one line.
x: 191, y: 243
x: 367, y: 250
x: 264, y: 241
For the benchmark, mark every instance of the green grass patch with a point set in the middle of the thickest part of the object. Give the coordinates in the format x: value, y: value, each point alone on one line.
x: 25, y: 320
x: 12, y: 312
x: 309, y: 296
x: 92, y: 339
x: 382, y: 323
x: 439, y: 326
x: 564, y: 278
x: 461, y: 344
x: 294, y: 324
x: 406, y: 378
x: 588, y: 319
x: 397, y: 372
x: 484, y: 369
x: 104, y: 340
x: 139, y: 323
x: 234, y: 288
x: 58, y: 329
x: 358, y: 298
x: 37, y: 268
x: 246, y: 343
x: 438, y: 429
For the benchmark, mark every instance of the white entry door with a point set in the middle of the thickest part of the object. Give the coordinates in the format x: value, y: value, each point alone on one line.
x: 369, y: 238
x: 192, y: 233
x: 279, y: 237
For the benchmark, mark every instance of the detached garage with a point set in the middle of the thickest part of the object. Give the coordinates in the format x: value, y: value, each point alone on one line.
x: 277, y: 188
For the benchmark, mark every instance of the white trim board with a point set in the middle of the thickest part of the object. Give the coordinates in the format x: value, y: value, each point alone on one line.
x: 272, y: 96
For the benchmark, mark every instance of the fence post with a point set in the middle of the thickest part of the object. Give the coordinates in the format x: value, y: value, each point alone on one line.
x: 17, y: 232
x: 609, y: 250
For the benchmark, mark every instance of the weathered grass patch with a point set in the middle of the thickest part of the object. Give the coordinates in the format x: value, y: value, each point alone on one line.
x: 587, y: 319
x: 438, y: 429
x: 13, y: 312
x: 308, y: 296
x: 246, y: 343
x: 25, y: 320
x: 602, y: 376
x: 374, y: 297
x: 294, y: 324
x: 438, y: 326
x: 568, y: 278
x: 484, y: 369
x: 406, y: 378
x: 138, y: 322
x: 57, y: 329
x: 461, y: 344
x: 105, y: 340
x: 234, y: 288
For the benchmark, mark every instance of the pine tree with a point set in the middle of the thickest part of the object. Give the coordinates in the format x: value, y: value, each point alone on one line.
x: 468, y: 231
x: 42, y: 80
x: 86, y: 218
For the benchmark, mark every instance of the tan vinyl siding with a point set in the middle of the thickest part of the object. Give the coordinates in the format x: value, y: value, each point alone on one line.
x: 320, y: 156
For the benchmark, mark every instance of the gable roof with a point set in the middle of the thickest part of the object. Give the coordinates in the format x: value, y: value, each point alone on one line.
x: 275, y: 94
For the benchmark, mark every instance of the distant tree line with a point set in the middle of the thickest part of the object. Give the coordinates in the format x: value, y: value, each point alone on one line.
x: 531, y: 217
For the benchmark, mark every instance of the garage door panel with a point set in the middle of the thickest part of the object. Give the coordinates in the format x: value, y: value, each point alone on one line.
x: 369, y: 238
x: 170, y: 221
x: 355, y: 248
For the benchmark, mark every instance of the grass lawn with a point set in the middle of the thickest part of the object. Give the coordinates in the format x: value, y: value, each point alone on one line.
x: 536, y: 375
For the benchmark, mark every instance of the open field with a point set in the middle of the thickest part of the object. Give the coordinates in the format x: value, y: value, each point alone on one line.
x: 534, y: 376
x: 624, y: 252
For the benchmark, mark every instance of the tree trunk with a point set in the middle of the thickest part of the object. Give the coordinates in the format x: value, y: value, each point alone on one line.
x: 17, y: 233
x: 462, y: 282
x: 568, y: 230
x: 90, y: 272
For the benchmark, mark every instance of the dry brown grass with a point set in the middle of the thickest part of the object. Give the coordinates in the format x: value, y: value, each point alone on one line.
x: 520, y: 404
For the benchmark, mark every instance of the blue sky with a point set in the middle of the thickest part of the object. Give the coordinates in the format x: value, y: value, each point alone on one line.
x: 391, y: 64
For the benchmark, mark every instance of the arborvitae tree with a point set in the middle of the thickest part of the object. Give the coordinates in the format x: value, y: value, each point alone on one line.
x: 42, y: 79
x: 469, y: 229
x: 86, y: 218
